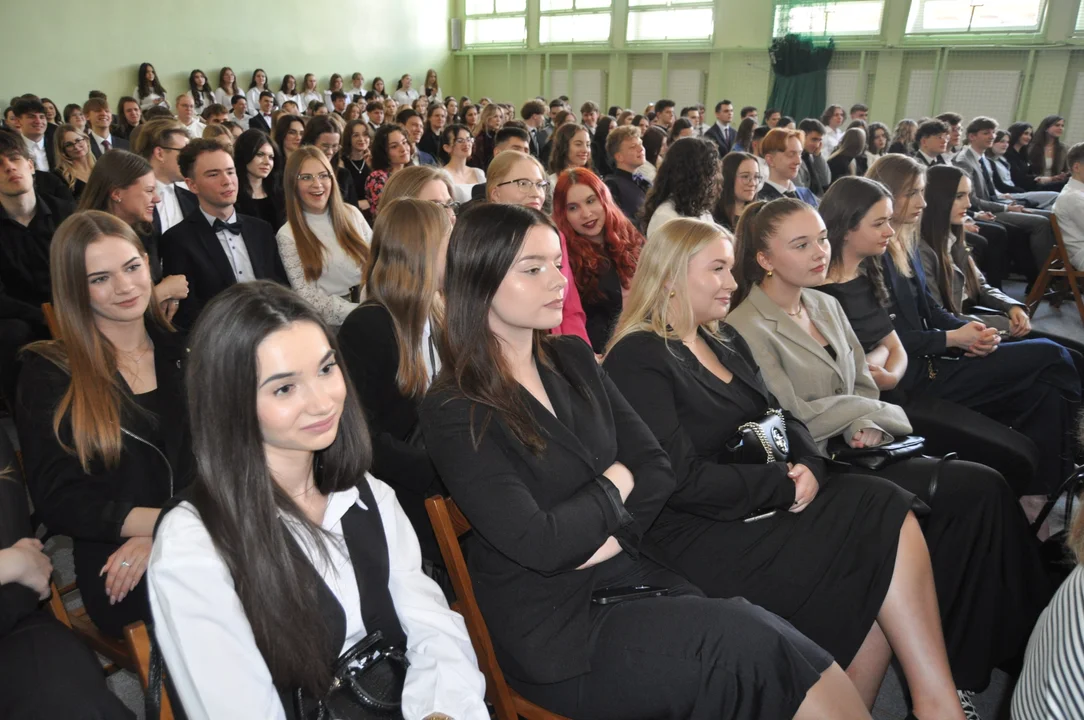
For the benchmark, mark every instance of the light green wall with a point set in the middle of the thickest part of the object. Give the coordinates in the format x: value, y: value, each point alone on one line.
x: 61, y: 48
x: 738, y: 67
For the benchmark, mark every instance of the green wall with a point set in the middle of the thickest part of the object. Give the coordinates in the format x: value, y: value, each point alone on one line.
x: 61, y: 48
x: 737, y: 65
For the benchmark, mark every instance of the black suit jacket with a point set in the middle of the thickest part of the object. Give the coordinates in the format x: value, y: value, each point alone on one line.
x: 370, y: 349
x: 537, y: 518
x: 192, y: 249
x: 116, y: 141
x: 186, y: 199
x: 258, y: 122
x: 723, y: 142
x: 627, y: 194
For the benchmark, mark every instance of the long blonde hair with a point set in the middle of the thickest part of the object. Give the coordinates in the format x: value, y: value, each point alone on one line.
x: 93, y: 398
x: 403, y: 278
x: 483, y: 119
x: 408, y: 182
x: 662, y: 277
x: 899, y: 174
x: 64, y: 164
x: 309, y: 248
x: 501, y: 167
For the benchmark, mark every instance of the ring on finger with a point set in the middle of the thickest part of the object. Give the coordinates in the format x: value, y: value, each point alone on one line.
x: 125, y: 563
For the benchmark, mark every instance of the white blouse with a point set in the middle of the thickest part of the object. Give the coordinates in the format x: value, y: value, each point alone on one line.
x: 405, y: 97
x: 252, y: 97
x: 209, y: 648
x: 308, y: 97
x: 282, y: 98
x: 148, y: 102
x: 666, y: 212
x: 340, y: 272
x: 224, y: 98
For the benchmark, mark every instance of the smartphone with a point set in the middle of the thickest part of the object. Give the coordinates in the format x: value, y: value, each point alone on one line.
x: 614, y: 595
x: 759, y: 515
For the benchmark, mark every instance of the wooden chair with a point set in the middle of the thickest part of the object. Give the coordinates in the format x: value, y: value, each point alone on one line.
x: 139, y: 646
x: 50, y: 320
x: 116, y: 651
x: 1057, y: 265
x: 449, y: 525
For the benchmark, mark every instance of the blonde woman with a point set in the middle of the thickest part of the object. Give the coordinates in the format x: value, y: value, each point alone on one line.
x: 423, y: 182
x: 485, y: 136
x: 74, y: 160
x: 324, y: 244
x: 389, y: 348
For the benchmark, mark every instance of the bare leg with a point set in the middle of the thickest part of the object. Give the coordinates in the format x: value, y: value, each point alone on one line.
x: 833, y: 698
x: 912, y: 623
x: 867, y: 669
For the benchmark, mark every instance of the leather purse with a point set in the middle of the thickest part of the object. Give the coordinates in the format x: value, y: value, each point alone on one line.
x: 875, y: 458
x: 761, y: 441
x: 367, y: 685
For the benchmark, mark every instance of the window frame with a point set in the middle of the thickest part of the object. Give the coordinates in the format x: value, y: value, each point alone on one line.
x: 785, y: 6
x: 664, y: 5
x: 915, y: 11
x: 517, y: 14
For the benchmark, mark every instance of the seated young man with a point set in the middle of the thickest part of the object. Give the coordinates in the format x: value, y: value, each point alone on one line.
x: 628, y: 189
x: 813, y: 172
x: 28, y: 220
x: 932, y: 138
x: 99, y: 120
x: 414, y: 127
x: 214, y: 246
x: 186, y: 113
x: 32, y: 127
x: 263, y: 119
x: 782, y: 150
x: 161, y: 143
x: 1069, y: 207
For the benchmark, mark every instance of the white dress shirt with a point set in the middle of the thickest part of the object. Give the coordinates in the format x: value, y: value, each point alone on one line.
x: 308, y: 97
x: 234, y: 247
x: 832, y: 138
x: 37, y: 152
x: 195, y: 128
x: 169, y: 208
x: 207, y: 641
x: 282, y: 98
x: 224, y: 98
x: 1069, y: 209
x: 789, y: 187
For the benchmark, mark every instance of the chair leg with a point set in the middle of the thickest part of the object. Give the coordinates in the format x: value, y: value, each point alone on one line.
x: 1038, y: 290
x: 1071, y: 277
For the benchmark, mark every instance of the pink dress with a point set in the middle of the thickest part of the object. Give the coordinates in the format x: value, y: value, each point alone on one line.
x: 574, y: 321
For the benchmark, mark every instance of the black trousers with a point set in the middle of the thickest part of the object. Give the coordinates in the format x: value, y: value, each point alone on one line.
x: 14, y: 333
x: 686, y: 657
x: 990, y: 581
x: 47, y: 673
x: 990, y: 249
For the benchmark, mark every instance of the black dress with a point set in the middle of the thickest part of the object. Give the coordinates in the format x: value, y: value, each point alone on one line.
x: 359, y: 173
x: 538, y: 517
x: 271, y: 208
x: 603, y: 307
x: 869, y: 319
x: 827, y: 569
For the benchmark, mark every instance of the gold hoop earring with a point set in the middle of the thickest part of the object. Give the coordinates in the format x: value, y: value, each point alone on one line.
x: 769, y: 273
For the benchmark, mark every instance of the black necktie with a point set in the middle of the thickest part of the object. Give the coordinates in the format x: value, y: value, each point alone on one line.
x: 791, y: 194
x: 986, y: 179
x: 234, y: 227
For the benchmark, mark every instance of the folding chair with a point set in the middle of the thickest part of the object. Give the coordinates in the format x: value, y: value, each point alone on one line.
x: 1057, y: 265
x: 139, y: 645
x: 450, y: 525
x: 80, y: 623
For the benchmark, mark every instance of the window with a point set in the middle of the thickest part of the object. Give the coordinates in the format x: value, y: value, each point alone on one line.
x: 860, y: 17
x: 670, y: 20
x: 1080, y: 20
x: 496, y: 22
x: 955, y: 16
x: 566, y: 21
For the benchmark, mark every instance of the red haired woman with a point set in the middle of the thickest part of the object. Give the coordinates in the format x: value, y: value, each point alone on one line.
x: 603, y: 247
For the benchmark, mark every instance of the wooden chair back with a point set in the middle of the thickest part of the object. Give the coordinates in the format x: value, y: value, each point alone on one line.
x: 139, y: 645
x: 114, y: 649
x: 1058, y: 264
x: 449, y: 525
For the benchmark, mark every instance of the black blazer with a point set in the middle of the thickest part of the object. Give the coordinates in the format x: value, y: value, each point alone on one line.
x: 919, y: 321
x: 370, y: 350
x: 537, y: 518
x: 723, y: 142
x: 192, y: 249
x: 430, y: 143
x: 186, y: 199
x: 91, y: 507
x: 258, y: 122
x: 116, y: 141
x: 678, y: 399
x: 628, y: 195
x: 1020, y: 170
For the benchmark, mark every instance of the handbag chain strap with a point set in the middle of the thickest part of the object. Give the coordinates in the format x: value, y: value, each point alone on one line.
x: 763, y: 436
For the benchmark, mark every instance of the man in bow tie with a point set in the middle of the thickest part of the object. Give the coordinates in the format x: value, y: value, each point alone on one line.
x: 216, y: 246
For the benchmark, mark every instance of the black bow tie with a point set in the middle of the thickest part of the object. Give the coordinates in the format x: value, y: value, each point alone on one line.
x: 234, y: 227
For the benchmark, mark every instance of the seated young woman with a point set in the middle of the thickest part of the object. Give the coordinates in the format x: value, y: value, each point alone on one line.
x: 259, y: 187
x: 423, y: 182
x: 571, y: 149
x: 860, y: 230
x: 324, y: 244
x: 560, y: 480
x: 741, y: 182
x: 954, y: 280
x: 602, y: 248
x: 390, y: 353
x: 990, y: 581
x: 103, y: 443
x: 286, y: 553
x: 519, y: 179
x: 779, y: 534
x: 1029, y: 385
x: 687, y: 184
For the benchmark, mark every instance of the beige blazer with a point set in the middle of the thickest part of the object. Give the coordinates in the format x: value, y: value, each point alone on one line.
x: 832, y: 397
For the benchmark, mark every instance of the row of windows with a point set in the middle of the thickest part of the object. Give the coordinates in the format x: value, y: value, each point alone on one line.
x: 504, y: 22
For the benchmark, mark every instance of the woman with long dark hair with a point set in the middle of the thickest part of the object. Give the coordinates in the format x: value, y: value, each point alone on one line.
x: 289, y: 129
x: 744, y: 140
x: 571, y: 149
x: 602, y: 248
x: 1046, y: 153
x: 849, y: 157
x: 287, y: 552
x: 355, y: 156
x: 128, y: 117
x: 741, y: 183
x: 149, y: 90
x: 103, y: 444
x: 287, y: 92
x: 560, y: 479
x: 601, y: 162
x: 389, y: 348
x: 259, y: 187
x: 227, y: 87
x: 687, y: 185
x: 202, y: 95
x: 390, y: 153
x: 256, y: 85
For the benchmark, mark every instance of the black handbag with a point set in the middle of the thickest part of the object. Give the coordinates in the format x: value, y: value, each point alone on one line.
x: 367, y: 685
x: 875, y: 458
x: 761, y: 441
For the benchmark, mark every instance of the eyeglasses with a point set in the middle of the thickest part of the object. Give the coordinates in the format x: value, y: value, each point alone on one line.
x: 329, y: 149
x: 167, y: 147
x: 450, y: 205
x: 464, y: 141
x: 323, y: 177
x: 74, y: 143
x: 526, y: 185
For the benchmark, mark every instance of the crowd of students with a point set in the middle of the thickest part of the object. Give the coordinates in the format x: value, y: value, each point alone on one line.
x: 565, y: 324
